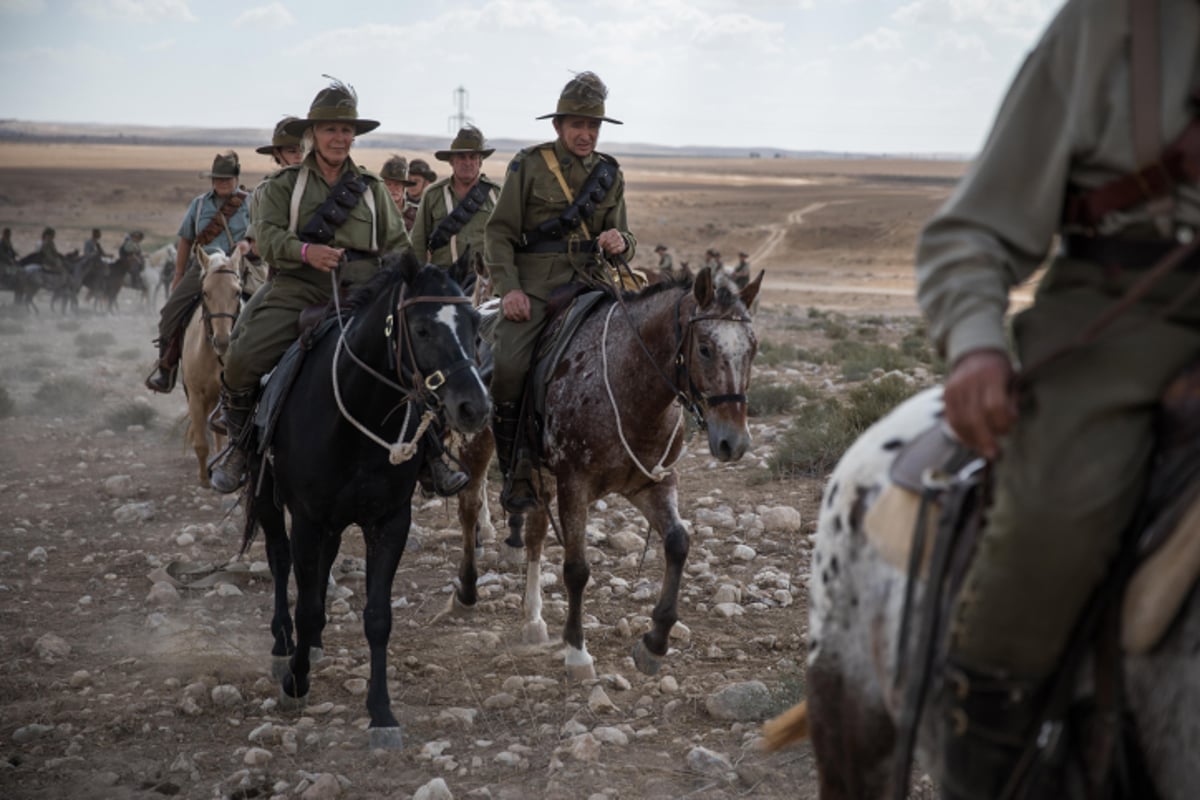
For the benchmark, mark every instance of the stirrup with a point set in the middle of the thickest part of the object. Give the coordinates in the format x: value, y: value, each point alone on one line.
x: 518, y: 496
x: 216, y: 420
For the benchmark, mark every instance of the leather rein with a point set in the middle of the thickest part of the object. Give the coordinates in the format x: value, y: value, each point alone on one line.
x: 208, y: 316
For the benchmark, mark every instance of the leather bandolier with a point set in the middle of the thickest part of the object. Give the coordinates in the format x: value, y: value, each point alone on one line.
x: 462, y: 213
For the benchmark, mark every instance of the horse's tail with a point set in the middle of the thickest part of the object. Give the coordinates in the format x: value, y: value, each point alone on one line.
x: 788, y: 728
x: 251, y: 524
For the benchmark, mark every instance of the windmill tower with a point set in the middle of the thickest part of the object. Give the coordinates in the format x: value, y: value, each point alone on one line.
x: 460, y: 119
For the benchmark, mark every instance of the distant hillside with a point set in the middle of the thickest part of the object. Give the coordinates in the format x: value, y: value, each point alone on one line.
x: 72, y: 132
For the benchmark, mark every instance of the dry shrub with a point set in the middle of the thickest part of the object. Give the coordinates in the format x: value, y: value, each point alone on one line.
x: 771, y: 354
x: 776, y: 398
x: 68, y: 395
x: 859, y: 359
x: 133, y: 413
x: 822, y: 431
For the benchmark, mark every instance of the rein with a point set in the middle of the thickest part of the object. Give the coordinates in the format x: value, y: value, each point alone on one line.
x: 423, y: 389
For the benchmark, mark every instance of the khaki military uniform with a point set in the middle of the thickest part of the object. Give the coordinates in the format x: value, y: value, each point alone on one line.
x: 410, y: 212
x: 436, y: 204
x: 1072, y: 471
x: 270, y: 327
x: 8, y: 253
x: 183, y: 299
x: 49, y: 257
x: 92, y: 247
x: 531, y: 196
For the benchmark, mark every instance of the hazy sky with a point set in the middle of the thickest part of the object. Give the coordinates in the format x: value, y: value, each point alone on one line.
x: 844, y: 75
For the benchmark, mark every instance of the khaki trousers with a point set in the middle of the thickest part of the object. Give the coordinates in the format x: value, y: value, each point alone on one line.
x: 513, y: 352
x: 267, y: 326
x: 178, y: 307
x: 1073, y: 470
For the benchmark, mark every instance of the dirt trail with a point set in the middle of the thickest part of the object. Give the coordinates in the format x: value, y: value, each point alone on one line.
x: 778, y: 231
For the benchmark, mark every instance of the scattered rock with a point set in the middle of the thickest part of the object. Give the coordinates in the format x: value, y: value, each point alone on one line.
x: 500, y: 701
x: 257, y: 757
x: 744, y: 552
x: 436, y: 789
x: 37, y: 556
x: 600, y: 703
x: 784, y: 519
x: 119, y: 486
x: 584, y: 747
x: 741, y: 702
x: 708, y: 762
x: 610, y: 735
x: 625, y: 542
x: 728, y: 610
x: 134, y: 512
x: 162, y: 594
x: 51, y: 648
x: 226, y: 696
x: 325, y: 787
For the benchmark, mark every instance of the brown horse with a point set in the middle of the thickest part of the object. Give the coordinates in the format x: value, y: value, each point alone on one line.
x: 614, y: 424
x: 205, y: 340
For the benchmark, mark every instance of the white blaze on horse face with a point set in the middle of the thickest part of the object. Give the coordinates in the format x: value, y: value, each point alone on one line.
x: 448, y: 316
x: 736, y: 347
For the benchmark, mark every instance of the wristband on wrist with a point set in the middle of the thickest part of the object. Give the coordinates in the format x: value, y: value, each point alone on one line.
x: 304, y: 253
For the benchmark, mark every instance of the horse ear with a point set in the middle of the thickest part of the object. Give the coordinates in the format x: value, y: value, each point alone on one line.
x: 703, y: 287
x: 410, y: 265
x: 751, y: 291
x: 202, y: 257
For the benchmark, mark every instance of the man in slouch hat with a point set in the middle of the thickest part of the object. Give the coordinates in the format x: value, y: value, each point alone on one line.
x: 453, y: 211
x: 561, y: 211
x: 215, y: 221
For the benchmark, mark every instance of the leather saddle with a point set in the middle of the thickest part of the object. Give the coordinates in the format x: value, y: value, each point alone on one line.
x: 1168, y: 548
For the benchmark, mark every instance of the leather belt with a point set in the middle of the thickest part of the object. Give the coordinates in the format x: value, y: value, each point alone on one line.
x: 360, y: 255
x: 1133, y: 254
x: 558, y: 246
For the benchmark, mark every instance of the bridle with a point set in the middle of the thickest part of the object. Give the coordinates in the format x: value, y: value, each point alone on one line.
x: 410, y: 383
x: 208, y: 316
x: 692, y: 399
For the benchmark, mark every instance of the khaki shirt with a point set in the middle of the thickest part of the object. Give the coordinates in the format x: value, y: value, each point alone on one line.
x: 1065, y: 125
x: 532, y: 195
x: 433, y: 210
x: 280, y: 247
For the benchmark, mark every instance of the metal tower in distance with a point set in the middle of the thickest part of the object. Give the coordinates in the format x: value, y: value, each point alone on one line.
x: 459, y: 120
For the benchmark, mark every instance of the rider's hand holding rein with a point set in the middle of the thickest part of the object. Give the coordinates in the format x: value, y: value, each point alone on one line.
x: 515, y: 305
x: 611, y: 242
x: 322, y: 257
x: 980, y: 402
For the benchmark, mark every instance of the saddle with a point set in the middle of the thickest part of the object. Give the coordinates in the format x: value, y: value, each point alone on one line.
x: 568, y: 307
x: 1168, y: 547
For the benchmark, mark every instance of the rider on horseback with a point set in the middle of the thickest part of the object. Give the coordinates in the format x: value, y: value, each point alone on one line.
x: 1071, y: 445
x: 532, y: 249
x: 323, y: 213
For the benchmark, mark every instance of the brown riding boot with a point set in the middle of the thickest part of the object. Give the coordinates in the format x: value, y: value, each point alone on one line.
x: 228, y: 473
x: 438, y: 475
x: 518, y: 494
x: 987, y: 722
x: 162, y: 380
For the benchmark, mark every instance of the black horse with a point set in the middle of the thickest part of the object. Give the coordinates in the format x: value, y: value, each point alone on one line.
x: 405, y: 345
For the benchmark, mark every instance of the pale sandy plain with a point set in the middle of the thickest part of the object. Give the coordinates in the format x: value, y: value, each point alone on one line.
x: 140, y: 719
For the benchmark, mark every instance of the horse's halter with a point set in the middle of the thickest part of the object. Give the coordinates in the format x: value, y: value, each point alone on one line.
x: 209, y: 316
x: 424, y: 388
x: 686, y: 391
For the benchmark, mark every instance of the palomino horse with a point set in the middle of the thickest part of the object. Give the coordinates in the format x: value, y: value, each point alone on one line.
x: 205, y: 341
x: 346, y: 449
x: 856, y: 595
x: 614, y: 424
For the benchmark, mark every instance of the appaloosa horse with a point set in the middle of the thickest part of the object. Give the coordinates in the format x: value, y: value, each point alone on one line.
x: 856, y: 595
x: 614, y: 424
x: 205, y: 341
x: 346, y: 449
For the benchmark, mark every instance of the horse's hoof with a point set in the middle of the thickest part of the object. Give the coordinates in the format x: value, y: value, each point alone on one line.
x: 385, y: 738
x: 580, y: 666
x: 288, y: 703
x: 646, y: 662
x: 455, y: 608
x: 280, y: 667
x: 535, y: 633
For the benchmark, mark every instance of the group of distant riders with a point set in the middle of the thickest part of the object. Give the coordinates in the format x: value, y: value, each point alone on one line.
x: 64, y: 275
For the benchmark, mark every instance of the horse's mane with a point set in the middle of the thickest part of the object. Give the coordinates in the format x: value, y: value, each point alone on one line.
x: 390, y: 276
x: 724, y: 289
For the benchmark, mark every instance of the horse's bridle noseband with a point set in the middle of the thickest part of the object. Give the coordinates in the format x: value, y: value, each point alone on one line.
x: 424, y: 387
x: 208, y: 316
x: 692, y: 399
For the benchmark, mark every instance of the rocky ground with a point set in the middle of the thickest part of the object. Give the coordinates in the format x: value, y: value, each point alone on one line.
x: 121, y: 682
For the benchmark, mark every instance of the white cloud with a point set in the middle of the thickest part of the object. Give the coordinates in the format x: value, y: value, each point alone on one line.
x: 1015, y: 17
x: 967, y: 43
x: 140, y: 10
x: 274, y: 15
x: 880, y: 39
x: 160, y: 46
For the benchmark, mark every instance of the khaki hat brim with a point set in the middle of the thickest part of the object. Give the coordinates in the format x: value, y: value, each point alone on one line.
x: 444, y: 155
x: 265, y: 150
x: 218, y: 175
x: 298, y: 127
x: 576, y: 114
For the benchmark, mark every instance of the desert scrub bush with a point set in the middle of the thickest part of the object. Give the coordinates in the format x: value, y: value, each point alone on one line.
x: 68, y: 395
x: 821, y: 431
x: 859, y: 359
x: 132, y: 413
x: 771, y: 354
x: 68, y: 325
x: 8, y: 406
x: 772, y: 398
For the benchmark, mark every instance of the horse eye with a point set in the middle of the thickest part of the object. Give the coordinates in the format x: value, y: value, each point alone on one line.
x: 705, y: 351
